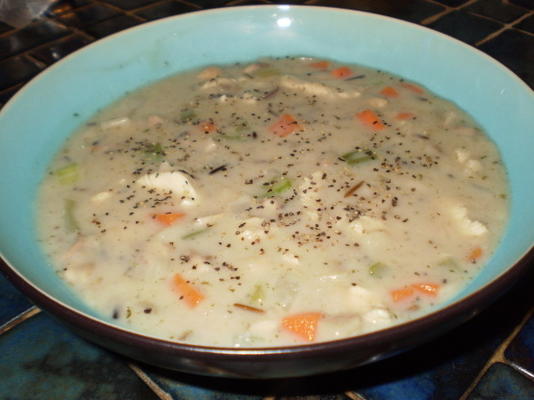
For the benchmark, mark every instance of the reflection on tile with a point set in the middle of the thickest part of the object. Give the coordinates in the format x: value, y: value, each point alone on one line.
x: 507, y: 46
x: 31, y: 36
x: 43, y: 361
x: 166, y: 9
x: 57, y: 50
x: 62, y: 6
x: 4, y: 27
x: 521, y: 350
x: 527, y: 24
x: 503, y: 382
x: 411, y: 10
x: 130, y: 4
x: 87, y: 15
x: 15, y: 70
x: 184, y: 386
x: 466, y: 27
x: 12, y: 302
x: 112, y: 25
x: 496, y: 9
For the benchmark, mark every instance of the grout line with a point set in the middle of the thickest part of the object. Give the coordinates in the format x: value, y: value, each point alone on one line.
x: 191, y: 4
x: 505, y: 27
x: 36, y: 61
x: 129, y: 13
x: 354, y: 396
x: 150, y: 383
x: 498, y: 355
x: 23, y: 316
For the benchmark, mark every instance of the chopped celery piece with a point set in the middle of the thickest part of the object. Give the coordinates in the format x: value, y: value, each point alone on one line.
x: 278, y: 187
x: 154, y: 152
x: 194, y: 234
x: 449, y: 263
x: 187, y: 116
x: 377, y: 270
x: 67, y: 175
x: 70, y: 220
x: 358, y: 156
x: 266, y: 72
x: 258, y: 295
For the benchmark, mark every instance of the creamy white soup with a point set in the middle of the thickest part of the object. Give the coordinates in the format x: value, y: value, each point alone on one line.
x: 280, y: 202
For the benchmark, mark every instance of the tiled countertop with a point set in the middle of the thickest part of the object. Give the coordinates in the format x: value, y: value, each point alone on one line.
x: 490, y: 357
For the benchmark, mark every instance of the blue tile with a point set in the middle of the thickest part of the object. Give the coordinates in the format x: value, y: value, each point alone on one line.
x: 43, y: 361
x: 503, y: 382
x: 183, y: 386
x: 496, y: 9
x: 12, y: 302
x: 521, y: 350
x: 466, y: 27
x: 506, y: 47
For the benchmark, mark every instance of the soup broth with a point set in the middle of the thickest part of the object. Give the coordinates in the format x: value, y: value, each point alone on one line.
x: 280, y: 202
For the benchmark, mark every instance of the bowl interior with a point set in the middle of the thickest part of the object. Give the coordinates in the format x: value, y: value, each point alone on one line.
x: 34, y: 124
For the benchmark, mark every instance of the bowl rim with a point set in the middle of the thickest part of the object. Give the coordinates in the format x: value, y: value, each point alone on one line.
x: 481, y: 297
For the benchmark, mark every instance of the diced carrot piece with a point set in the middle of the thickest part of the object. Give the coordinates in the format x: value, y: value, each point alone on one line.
x: 428, y: 289
x: 389, y: 91
x: 303, y: 325
x: 369, y: 118
x: 404, y: 116
x: 341, y: 72
x: 168, y: 219
x: 412, y: 87
x: 190, y: 294
x: 320, y: 64
x: 399, y: 295
x: 207, y: 126
x: 285, y: 125
x: 475, y: 254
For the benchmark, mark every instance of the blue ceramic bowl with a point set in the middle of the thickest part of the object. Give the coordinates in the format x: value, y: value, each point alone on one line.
x: 35, y: 123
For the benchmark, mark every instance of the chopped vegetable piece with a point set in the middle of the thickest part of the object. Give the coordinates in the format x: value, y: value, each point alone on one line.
x: 70, y: 220
x: 303, y: 325
x: 449, y: 263
x: 428, y: 289
x: 168, y: 218
x: 248, y: 308
x: 341, y: 72
x: 377, y: 270
x: 320, y: 65
x: 353, y: 189
x: 154, y: 151
x: 190, y: 294
x: 207, y: 126
x: 68, y: 174
x: 389, y: 91
x: 369, y: 118
x: 258, y: 295
x: 356, y: 157
x: 278, y: 187
x: 266, y: 72
x: 475, y: 255
x: 404, y: 116
x: 285, y: 125
x: 399, y: 295
x: 412, y: 87
x: 187, y: 116
x: 218, y: 169
x: 194, y: 234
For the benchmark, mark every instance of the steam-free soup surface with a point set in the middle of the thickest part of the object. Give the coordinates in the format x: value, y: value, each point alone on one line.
x: 280, y: 202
